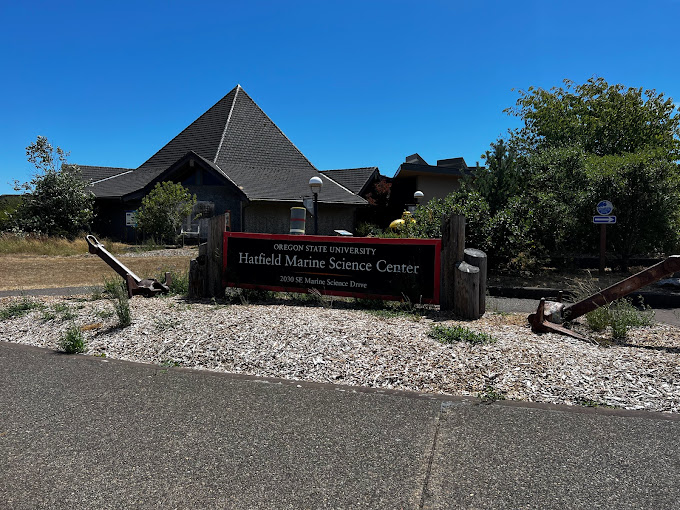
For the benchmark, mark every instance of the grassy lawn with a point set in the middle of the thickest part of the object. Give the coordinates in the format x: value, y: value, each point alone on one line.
x: 38, y: 272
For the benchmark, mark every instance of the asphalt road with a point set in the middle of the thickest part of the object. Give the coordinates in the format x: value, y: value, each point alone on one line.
x: 85, y: 432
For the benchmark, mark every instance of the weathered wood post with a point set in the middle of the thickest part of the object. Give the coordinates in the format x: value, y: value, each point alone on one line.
x: 196, y: 270
x: 478, y: 259
x: 215, y: 245
x: 453, y: 246
x: 466, y: 300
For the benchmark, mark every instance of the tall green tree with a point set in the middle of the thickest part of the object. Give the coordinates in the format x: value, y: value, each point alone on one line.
x: 56, y: 200
x: 164, y: 209
x: 585, y: 143
x: 501, y: 178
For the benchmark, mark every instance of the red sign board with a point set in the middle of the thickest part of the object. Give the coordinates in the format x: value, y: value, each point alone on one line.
x: 373, y: 268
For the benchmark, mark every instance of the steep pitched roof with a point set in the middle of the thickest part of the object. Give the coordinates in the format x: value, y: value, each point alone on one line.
x: 238, y: 138
x: 354, y: 179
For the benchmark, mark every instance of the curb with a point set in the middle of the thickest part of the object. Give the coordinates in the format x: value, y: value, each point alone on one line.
x: 653, y: 299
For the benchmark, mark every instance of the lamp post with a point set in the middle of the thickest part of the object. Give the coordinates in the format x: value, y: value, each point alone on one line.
x: 315, y: 184
x: 417, y: 195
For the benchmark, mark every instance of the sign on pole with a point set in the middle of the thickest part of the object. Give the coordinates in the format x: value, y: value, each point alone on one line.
x: 604, y: 208
x: 604, y: 220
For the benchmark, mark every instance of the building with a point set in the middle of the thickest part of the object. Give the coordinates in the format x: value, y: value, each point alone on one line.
x: 235, y: 160
x: 415, y: 174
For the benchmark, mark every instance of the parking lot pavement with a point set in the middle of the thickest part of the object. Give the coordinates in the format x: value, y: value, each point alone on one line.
x: 85, y: 432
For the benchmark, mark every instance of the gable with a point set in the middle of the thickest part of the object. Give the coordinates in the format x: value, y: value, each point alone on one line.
x: 239, y: 141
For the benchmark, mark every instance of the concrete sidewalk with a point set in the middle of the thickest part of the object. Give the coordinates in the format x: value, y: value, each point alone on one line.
x: 85, y: 432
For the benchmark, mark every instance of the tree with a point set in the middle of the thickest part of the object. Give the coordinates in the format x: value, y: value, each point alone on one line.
x: 599, y: 118
x: 377, y: 212
x: 501, y: 178
x: 584, y: 143
x: 57, y: 201
x: 164, y: 209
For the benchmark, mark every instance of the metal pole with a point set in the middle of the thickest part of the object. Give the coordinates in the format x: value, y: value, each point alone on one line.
x: 603, y: 248
x: 316, y: 215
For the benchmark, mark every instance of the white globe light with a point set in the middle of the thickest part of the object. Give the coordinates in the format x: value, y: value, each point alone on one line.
x: 315, y: 183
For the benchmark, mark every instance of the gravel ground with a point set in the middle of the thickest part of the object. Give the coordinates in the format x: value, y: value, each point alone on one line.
x: 355, y: 347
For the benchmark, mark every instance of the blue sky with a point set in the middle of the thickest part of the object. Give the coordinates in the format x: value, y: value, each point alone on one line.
x: 351, y: 83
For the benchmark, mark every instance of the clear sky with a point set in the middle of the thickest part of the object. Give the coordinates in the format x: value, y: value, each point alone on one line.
x: 351, y: 83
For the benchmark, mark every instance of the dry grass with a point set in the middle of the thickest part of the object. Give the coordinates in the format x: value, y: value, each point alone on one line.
x: 38, y: 272
x: 11, y: 244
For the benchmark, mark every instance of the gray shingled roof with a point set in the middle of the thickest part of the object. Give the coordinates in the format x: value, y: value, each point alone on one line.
x: 98, y: 173
x: 354, y: 179
x: 238, y: 138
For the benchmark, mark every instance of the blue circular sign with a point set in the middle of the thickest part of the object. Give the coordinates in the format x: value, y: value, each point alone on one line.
x: 604, y: 207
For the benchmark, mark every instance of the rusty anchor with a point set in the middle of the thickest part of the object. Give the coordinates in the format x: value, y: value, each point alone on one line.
x: 550, y: 314
x: 135, y: 285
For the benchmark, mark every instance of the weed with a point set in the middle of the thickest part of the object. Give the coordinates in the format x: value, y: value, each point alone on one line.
x: 20, y: 308
x: 179, y: 281
x: 369, y: 304
x: 72, y: 341
x: 104, y: 314
x: 113, y: 286
x: 598, y: 319
x: 48, y: 315
x: 451, y: 334
x: 166, y: 323
x: 170, y: 363
x: 96, y: 293
x: 491, y: 394
x: 620, y: 315
x: 247, y: 296
x: 121, y: 303
x: 65, y: 311
x: 100, y: 355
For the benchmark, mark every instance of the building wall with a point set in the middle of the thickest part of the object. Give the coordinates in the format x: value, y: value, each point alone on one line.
x: 110, y: 220
x: 224, y: 199
x: 436, y: 186
x: 274, y: 218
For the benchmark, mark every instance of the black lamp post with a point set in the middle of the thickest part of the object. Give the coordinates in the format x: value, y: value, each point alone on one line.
x: 315, y: 184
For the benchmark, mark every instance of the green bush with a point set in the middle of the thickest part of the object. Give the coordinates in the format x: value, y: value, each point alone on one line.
x: 452, y: 334
x: 620, y: 315
x: 58, y: 201
x: 72, y: 341
x: 623, y: 315
x: 598, y: 319
x: 164, y: 209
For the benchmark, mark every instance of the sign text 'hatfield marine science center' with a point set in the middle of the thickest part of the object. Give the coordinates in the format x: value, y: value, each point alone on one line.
x: 369, y: 267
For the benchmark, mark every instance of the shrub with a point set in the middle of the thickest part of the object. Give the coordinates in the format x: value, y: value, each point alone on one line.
x: 164, y: 209
x: 620, y: 315
x: 623, y: 315
x: 598, y: 319
x: 58, y: 201
x: 72, y: 341
x: 451, y: 334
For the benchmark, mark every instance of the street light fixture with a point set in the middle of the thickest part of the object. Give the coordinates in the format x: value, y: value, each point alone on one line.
x: 315, y: 184
x: 417, y: 195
